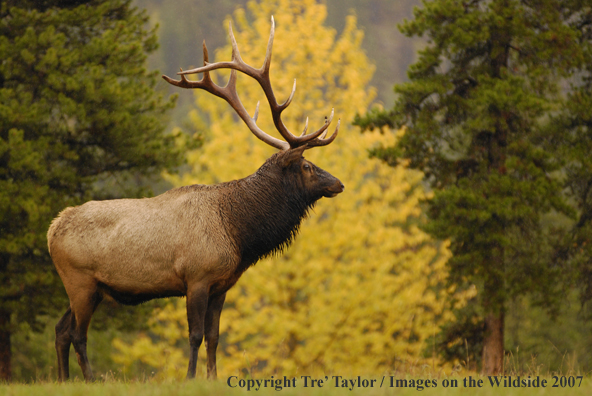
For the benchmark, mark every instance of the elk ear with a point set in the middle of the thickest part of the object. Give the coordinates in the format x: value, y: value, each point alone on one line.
x: 292, y: 155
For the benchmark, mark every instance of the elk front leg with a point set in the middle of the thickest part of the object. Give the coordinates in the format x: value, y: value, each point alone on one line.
x: 197, y: 305
x: 212, y: 331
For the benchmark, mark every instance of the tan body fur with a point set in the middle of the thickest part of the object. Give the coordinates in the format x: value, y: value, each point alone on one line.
x: 141, y: 246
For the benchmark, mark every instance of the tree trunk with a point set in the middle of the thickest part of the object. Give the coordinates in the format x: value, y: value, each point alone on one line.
x: 493, y: 344
x: 5, y: 354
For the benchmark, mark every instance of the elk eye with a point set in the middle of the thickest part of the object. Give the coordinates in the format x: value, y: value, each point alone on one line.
x: 306, y: 166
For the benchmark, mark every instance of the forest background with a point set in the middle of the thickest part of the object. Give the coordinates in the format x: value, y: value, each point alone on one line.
x: 534, y: 340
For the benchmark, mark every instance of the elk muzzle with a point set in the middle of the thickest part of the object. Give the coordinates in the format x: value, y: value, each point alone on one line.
x: 335, y: 187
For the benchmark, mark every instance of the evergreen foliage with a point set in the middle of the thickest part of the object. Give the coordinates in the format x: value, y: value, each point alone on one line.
x: 476, y: 112
x: 570, y: 140
x: 79, y: 119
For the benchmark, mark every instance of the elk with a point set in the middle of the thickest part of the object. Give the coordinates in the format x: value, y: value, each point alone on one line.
x: 194, y: 241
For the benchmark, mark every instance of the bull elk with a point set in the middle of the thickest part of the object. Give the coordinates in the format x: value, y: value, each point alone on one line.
x: 194, y: 241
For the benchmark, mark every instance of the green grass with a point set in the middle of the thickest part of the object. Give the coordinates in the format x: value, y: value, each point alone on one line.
x: 220, y: 387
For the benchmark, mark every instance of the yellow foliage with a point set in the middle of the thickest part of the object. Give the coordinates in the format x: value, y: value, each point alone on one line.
x: 355, y: 292
x: 163, y: 355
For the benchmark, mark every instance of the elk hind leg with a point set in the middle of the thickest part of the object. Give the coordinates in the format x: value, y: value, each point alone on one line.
x: 212, y: 331
x: 83, y: 305
x: 62, y: 345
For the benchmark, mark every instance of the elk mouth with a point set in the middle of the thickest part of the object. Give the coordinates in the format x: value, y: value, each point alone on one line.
x: 332, y: 191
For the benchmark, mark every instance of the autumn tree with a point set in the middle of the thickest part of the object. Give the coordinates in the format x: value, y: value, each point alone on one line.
x: 475, y: 112
x: 79, y: 116
x: 357, y: 291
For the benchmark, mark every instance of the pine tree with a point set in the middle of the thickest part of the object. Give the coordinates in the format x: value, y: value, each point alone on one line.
x: 357, y: 290
x: 571, y: 142
x: 474, y: 111
x: 79, y: 118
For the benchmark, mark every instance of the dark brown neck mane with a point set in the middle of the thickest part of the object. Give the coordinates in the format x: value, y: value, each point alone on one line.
x: 264, y: 211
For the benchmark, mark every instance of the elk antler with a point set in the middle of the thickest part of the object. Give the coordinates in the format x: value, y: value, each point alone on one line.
x: 229, y: 94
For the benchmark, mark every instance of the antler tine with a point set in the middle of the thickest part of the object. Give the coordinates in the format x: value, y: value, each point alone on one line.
x: 261, y: 75
x: 205, y: 52
x: 321, y: 141
x: 305, y: 127
x: 235, y: 51
x: 256, y: 112
x: 325, y: 132
x: 289, y: 100
x: 267, y: 61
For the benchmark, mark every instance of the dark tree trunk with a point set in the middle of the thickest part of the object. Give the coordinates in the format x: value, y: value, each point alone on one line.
x: 5, y: 354
x: 493, y: 344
